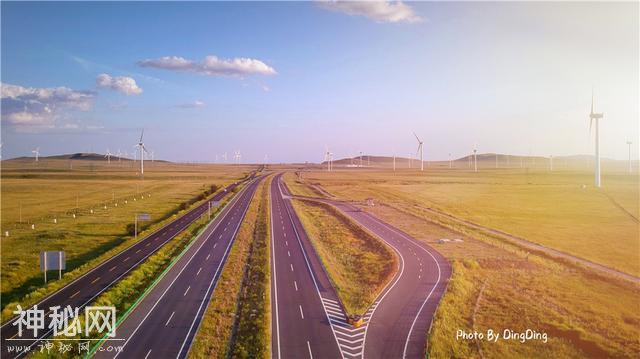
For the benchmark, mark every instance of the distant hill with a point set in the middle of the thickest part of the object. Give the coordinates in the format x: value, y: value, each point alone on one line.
x: 81, y: 156
x: 511, y: 160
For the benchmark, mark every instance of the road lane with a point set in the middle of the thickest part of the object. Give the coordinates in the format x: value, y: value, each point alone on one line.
x: 300, y: 325
x: 165, y: 322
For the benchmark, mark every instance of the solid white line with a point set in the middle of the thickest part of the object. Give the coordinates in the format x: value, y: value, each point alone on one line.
x: 309, y: 347
x: 168, y: 320
x: 301, y: 313
x: 186, y: 291
x: 275, y: 282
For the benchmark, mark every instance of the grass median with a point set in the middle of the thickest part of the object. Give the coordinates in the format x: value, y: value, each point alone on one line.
x: 359, y: 265
x: 237, y: 321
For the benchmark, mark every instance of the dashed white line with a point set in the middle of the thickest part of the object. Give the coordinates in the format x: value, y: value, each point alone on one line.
x: 301, y: 313
x: 168, y: 320
x: 309, y: 347
x: 186, y: 291
x: 295, y: 285
x: 289, y: 253
x: 199, y: 271
x: 208, y: 255
x: 146, y: 356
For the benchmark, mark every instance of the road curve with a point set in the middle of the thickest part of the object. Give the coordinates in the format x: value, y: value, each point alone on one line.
x: 87, y: 287
x: 398, y: 321
x: 303, y: 302
x: 165, y: 322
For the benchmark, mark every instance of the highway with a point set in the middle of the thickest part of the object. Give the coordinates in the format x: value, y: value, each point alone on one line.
x: 165, y: 321
x: 397, y: 322
x: 86, y: 288
x: 300, y: 323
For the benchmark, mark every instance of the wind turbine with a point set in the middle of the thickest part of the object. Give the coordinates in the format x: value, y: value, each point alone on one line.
x: 596, y: 116
x: 119, y: 154
x: 108, y: 156
x: 142, y: 149
x: 475, y: 160
x: 36, y: 152
x: 629, y: 144
x: 421, y: 151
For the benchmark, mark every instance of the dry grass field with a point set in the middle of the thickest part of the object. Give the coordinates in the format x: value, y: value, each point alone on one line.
x: 496, y: 285
x: 104, y: 199
x: 549, y: 208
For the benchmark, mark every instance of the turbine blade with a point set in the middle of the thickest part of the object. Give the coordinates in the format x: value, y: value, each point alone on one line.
x: 417, y: 138
x: 141, y: 134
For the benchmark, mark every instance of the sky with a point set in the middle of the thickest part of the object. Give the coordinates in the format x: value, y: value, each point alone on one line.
x: 288, y: 79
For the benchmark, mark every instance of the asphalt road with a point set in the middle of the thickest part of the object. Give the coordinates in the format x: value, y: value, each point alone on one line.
x: 300, y: 324
x: 85, y: 289
x: 165, y: 322
x: 397, y: 323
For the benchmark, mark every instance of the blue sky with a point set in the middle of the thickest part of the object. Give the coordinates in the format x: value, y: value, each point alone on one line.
x: 505, y: 77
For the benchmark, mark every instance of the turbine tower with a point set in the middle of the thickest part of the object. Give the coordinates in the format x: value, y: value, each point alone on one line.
x: 420, y: 151
x: 36, y: 152
x: 596, y: 116
x: 475, y: 160
x: 108, y: 156
x: 629, y: 144
x: 142, y: 149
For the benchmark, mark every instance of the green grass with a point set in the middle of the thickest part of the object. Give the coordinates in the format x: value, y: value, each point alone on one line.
x: 236, y: 322
x: 359, y: 265
x: 549, y: 208
x: 51, y: 190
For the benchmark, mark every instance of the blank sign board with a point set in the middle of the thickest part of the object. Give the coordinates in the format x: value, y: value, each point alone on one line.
x: 144, y: 217
x: 52, y: 261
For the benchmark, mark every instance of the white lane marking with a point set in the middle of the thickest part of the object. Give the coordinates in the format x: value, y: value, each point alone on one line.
x: 168, y: 320
x: 275, y: 282
x: 301, y: 313
x: 286, y: 243
x: 309, y: 347
x: 285, y: 234
x: 95, y: 280
x: 186, y: 291
x: 289, y: 253
x: 146, y: 356
x: 215, y: 244
x: 291, y: 267
x: 208, y: 255
x: 199, y: 271
x: 295, y: 284
x: 112, y: 268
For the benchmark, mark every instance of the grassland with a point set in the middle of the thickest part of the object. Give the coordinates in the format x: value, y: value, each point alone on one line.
x: 359, y: 265
x: 236, y: 323
x: 584, y: 315
x: 36, y: 195
x: 549, y: 208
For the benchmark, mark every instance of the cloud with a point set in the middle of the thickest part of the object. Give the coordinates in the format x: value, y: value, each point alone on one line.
x: 379, y: 11
x: 29, y: 109
x: 122, y: 84
x: 194, y: 104
x: 211, y: 66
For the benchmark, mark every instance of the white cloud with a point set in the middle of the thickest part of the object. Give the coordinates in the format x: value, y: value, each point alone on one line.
x: 380, y: 11
x: 211, y: 66
x: 32, y: 109
x: 122, y: 84
x: 194, y: 104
